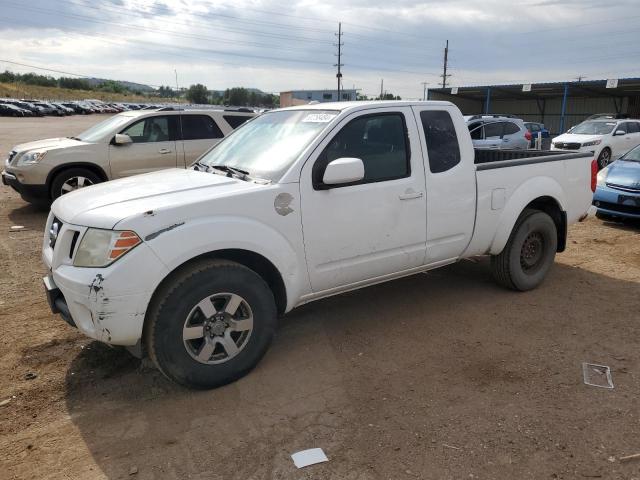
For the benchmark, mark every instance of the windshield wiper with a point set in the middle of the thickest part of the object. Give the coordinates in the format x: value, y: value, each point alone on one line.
x: 231, y: 171
x: 75, y: 138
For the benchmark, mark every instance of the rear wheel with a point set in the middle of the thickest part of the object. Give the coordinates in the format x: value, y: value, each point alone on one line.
x: 72, y: 179
x: 604, y: 158
x: 211, y: 325
x: 529, y: 252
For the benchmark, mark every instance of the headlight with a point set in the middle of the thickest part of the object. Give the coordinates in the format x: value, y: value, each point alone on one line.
x: 30, y: 158
x: 602, y: 177
x: 592, y: 143
x: 100, y: 248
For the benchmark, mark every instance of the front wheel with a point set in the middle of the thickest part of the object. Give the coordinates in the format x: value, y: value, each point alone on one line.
x: 72, y: 179
x: 211, y: 325
x: 529, y: 252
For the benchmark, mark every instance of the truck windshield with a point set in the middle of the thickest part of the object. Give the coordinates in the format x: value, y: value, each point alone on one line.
x: 594, y: 128
x: 97, y: 132
x: 267, y: 146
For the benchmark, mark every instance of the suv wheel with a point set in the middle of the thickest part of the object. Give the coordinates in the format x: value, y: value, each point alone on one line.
x: 72, y: 179
x: 211, y: 324
x: 604, y: 158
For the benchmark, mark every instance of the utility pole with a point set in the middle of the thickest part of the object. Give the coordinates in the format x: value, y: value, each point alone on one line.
x: 446, y: 60
x: 340, y: 44
x: 424, y: 90
x: 579, y: 78
x: 381, y: 87
x: 177, y: 89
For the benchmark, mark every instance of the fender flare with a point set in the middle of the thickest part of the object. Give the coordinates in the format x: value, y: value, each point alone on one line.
x: 526, y: 193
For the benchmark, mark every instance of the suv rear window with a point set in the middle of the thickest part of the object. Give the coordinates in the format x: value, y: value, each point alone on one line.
x: 198, y: 127
x: 442, y: 140
x: 235, y: 121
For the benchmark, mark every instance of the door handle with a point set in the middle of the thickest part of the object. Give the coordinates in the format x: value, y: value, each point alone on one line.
x: 410, y: 195
x: 162, y: 151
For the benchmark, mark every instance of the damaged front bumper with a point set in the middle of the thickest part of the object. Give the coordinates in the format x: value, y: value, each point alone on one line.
x: 106, y: 304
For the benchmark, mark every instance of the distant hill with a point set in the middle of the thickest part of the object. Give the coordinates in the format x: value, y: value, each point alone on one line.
x: 138, y: 87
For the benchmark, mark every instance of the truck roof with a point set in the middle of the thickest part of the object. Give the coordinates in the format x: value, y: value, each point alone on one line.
x: 366, y: 104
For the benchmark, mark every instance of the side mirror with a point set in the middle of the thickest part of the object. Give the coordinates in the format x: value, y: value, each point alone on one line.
x: 122, y: 139
x: 619, y: 132
x: 343, y: 170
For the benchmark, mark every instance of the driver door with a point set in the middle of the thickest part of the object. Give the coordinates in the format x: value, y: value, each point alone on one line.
x: 153, y: 147
x: 377, y: 226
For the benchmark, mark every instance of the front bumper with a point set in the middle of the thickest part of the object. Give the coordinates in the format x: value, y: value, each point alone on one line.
x: 26, y: 191
x: 106, y: 304
x: 617, y: 203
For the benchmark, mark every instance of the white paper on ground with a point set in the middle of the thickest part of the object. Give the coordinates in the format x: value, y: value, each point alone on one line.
x: 312, y: 456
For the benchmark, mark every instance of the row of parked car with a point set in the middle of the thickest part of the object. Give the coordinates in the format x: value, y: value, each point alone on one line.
x: 10, y: 107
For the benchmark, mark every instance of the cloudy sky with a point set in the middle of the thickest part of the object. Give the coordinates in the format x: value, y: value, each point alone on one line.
x: 276, y: 45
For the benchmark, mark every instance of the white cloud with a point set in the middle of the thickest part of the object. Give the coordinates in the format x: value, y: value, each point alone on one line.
x: 276, y: 46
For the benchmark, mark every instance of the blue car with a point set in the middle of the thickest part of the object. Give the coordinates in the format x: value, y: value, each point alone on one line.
x: 618, y: 189
x: 535, y: 128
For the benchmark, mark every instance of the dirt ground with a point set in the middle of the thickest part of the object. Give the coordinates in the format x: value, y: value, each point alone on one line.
x: 437, y: 376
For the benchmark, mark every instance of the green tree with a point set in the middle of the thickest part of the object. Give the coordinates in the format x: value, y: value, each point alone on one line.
x: 198, y: 94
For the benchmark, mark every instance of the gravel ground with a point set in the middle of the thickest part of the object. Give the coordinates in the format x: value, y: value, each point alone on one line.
x: 436, y: 376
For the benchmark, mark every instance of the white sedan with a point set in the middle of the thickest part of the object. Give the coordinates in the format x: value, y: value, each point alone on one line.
x: 607, y: 139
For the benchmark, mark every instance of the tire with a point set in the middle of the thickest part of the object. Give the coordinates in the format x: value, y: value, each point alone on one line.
x: 178, y: 333
x: 528, y: 254
x: 604, y: 158
x: 72, y: 179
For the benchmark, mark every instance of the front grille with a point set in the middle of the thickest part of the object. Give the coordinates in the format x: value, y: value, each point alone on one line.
x: 567, y: 146
x: 54, y: 231
x: 617, y: 207
x: 625, y: 188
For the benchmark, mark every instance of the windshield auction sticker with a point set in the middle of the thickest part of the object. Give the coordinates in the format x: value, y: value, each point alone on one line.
x: 319, y: 118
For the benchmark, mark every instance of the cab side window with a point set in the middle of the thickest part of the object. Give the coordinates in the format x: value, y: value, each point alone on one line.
x: 152, y: 129
x: 442, y: 140
x: 379, y: 140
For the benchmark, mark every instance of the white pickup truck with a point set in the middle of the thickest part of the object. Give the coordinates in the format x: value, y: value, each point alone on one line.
x: 193, y: 267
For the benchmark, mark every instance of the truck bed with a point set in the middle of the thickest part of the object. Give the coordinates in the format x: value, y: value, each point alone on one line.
x: 487, y: 159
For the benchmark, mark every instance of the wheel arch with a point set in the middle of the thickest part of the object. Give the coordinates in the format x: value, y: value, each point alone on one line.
x: 552, y: 203
x: 66, y: 166
x: 252, y: 260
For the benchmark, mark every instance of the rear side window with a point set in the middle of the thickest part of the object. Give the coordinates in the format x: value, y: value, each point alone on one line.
x: 510, y: 128
x: 235, y: 121
x: 198, y: 127
x: 379, y: 140
x: 441, y: 139
x: 493, y: 130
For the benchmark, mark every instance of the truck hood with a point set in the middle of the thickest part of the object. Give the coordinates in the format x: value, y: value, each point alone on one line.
x: 48, y: 144
x: 624, y: 173
x: 573, y: 138
x: 106, y: 204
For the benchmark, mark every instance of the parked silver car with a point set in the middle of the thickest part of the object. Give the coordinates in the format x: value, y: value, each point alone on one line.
x: 497, y: 132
